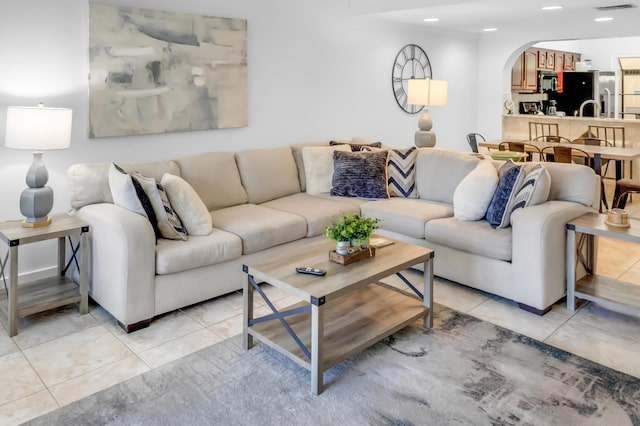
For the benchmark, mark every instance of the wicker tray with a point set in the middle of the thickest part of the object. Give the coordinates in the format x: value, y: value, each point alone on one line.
x: 352, y: 257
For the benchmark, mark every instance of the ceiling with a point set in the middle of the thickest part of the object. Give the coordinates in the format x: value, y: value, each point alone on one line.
x: 475, y: 15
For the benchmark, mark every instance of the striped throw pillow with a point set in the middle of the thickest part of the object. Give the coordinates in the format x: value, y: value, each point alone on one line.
x: 402, y: 172
x: 168, y: 222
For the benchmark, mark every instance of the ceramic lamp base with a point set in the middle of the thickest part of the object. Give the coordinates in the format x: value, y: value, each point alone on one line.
x: 425, y: 139
x: 35, y: 205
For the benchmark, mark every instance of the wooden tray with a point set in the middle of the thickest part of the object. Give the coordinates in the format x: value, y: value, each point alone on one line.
x: 352, y: 257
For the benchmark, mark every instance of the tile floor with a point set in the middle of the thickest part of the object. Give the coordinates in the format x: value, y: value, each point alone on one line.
x: 61, y: 356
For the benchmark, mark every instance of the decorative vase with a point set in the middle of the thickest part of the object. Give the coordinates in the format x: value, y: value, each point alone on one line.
x: 342, y: 247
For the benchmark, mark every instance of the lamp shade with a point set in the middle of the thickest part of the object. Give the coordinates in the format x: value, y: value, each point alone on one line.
x: 38, y: 128
x: 438, y: 92
x: 427, y: 92
x: 418, y: 91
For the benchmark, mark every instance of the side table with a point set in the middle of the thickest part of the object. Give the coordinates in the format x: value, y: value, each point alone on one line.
x: 608, y: 292
x: 47, y: 293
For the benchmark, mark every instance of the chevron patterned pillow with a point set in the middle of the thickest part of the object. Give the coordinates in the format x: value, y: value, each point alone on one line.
x: 402, y: 172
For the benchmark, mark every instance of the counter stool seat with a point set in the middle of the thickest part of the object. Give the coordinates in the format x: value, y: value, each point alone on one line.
x: 624, y: 187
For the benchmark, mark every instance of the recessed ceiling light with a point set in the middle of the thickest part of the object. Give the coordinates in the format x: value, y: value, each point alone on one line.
x: 489, y: 29
x: 604, y: 19
x: 558, y: 7
x: 431, y: 19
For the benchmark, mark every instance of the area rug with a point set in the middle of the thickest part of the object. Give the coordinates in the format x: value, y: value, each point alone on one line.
x: 463, y: 371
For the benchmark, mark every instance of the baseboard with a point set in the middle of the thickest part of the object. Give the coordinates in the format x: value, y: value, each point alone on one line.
x: 29, y: 276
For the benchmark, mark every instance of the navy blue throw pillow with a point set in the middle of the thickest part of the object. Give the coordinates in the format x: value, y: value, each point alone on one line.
x: 360, y: 174
x: 510, y: 179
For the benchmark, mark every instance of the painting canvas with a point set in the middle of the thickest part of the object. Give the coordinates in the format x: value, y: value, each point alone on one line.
x: 160, y: 72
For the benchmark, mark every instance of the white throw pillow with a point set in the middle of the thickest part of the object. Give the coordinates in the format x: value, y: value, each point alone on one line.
x: 187, y: 204
x: 122, y: 190
x: 474, y: 192
x: 318, y: 166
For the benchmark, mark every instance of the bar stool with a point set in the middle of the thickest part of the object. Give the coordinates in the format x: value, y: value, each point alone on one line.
x: 613, y: 134
x: 624, y: 187
x: 542, y: 129
x: 472, y: 138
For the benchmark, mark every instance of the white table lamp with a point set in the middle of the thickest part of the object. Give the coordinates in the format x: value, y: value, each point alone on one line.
x: 426, y: 92
x: 37, y: 128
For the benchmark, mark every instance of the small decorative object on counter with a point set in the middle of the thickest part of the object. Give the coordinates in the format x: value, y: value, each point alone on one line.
x: 509, y: 106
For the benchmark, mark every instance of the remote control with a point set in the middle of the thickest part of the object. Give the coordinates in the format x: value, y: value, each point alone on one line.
x: 311, y: 271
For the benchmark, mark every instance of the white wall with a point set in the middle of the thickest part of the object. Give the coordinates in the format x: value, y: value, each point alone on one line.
x: 315, y: 73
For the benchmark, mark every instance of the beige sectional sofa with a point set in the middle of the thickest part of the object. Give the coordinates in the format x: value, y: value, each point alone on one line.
x: 258, y: 206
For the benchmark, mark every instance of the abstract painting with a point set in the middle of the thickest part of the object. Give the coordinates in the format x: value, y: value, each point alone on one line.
x: 161, y: 72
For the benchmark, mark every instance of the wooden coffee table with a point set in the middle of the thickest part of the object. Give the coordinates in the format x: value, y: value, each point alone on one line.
x: 341, y: 313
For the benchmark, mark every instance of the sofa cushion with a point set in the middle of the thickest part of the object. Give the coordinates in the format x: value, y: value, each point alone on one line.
x: 89, y: 183
x: 187, y: 204
x: 401, y: 168
x: 215, y: 177
x: 360, y: 174
x: 573, y: 182
x: 405, y: 215
x: 473, y: 195
x: 476, y: 237
x: 268, y: 174
x: 318, y: 167
x: 439, y: 172
x: 296, y: 150
x: 259, y: 227
x: 217, y: 247
x: 358, y: 201
x: 318, y: 212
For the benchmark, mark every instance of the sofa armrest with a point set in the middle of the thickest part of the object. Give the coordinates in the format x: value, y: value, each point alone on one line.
x: 122, y: 253
x: 539, y: 251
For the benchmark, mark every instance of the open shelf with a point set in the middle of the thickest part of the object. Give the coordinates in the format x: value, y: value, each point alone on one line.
x: 351, y: 324
x: 42, y: 295
x: 612, y: 292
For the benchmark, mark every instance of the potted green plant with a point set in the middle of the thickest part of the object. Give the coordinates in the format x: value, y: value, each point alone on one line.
x: 364, y: 229
x: 351, y: 229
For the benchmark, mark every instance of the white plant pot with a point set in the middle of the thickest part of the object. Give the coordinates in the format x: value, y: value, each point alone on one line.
x: 342, y: 247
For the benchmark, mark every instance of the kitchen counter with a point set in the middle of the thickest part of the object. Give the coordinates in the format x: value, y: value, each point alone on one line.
x: 516, y: 126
